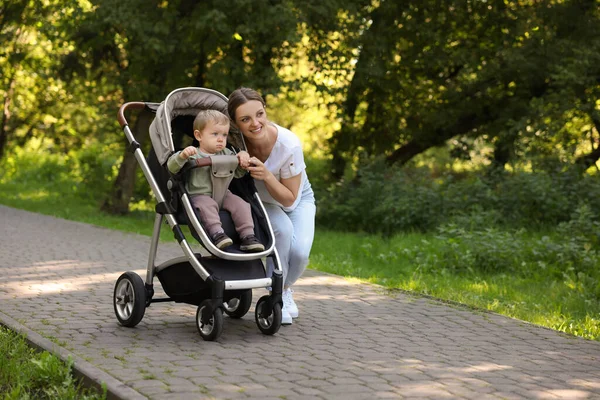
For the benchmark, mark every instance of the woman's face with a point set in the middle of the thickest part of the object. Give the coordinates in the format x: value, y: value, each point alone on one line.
x: 251, y: 119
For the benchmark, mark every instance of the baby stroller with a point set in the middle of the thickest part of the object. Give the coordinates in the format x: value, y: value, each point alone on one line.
x: 216, y: 281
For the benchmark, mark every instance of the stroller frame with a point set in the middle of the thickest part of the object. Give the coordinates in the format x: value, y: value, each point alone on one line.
x: 233, y: 296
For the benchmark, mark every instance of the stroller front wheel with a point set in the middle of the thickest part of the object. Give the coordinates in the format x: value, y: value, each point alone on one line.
x: 129, y: 299
x: 210, y: 329
x: 237, y: 307
x: 267, y: 320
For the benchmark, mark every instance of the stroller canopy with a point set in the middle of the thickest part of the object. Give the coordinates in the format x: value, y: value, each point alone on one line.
x: 186, y: 102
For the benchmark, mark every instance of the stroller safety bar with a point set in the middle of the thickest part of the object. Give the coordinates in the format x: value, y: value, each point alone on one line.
x: 203, y: 162
x: 214, y: 249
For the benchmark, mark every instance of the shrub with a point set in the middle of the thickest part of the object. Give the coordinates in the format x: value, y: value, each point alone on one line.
x: 533, y: 199
x: 382, y: 200
x: 389, y: 200
x: 95, y: 169
x: 583, y: 227
x: 487, y: 250
x: 88, y: 173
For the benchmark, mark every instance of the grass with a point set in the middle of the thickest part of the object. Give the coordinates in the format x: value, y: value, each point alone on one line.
x: 413, y: 262
x: 517, y: 274
x: 46, y: 199
x: 27, y: 374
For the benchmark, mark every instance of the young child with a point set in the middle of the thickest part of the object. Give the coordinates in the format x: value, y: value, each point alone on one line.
x: 211, y: 128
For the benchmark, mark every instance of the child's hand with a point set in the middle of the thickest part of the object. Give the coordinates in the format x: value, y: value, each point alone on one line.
x: 187, y: 152
x: 243, y: 159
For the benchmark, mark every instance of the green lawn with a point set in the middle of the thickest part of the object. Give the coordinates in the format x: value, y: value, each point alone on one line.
x: 27, y: 374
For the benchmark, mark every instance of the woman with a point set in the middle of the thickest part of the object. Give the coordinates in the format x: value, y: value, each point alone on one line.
x: 279, y: 171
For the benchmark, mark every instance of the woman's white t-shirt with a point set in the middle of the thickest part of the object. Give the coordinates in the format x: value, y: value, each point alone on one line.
x: 285, y: 161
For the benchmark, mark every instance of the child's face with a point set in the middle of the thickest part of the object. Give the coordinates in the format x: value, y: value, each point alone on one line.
x: 213, y: 138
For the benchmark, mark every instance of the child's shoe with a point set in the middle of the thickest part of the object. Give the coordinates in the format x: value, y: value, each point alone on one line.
x: 221, y: 240
x: 250, y: 243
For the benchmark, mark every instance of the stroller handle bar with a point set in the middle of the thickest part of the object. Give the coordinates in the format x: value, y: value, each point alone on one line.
x: 134, y: 105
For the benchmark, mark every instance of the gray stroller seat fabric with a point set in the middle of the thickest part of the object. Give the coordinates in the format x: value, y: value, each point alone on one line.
x: 222, y: 170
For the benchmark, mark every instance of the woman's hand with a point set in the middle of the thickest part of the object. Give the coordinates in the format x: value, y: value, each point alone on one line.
x: 187, y: 152
x: 243, y: 159
x: 284, y: 191
x: 258, y: 170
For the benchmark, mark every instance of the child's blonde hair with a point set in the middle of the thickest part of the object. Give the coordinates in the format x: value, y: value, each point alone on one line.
x: 205, y: 116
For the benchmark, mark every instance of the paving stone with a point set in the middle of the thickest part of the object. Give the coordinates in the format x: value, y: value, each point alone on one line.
x: 352, y: 340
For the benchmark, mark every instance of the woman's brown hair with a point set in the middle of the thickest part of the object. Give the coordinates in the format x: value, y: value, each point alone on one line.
x: 241, y: 96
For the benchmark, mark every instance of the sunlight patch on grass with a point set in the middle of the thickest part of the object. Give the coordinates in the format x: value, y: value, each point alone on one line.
x: 38, y: 195
x: 479, y: 287
x: 142, y: 205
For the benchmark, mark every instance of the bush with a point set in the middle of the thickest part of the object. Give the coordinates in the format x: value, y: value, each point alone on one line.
x: 487, y: 252
x: 382, y: 200
x: 391, y: 200
x: 583, y: 227
x: 88, y: 173
x: 533, y: 199
x: 95, y: 170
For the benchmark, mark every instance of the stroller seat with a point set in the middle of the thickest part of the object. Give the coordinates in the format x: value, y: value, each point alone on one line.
x: 174, y: 187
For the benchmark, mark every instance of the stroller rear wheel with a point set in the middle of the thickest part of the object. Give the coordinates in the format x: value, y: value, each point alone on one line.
x: 237, y: 307
x: 267, y: 320
x: 129, y: 299
x: 210, y: 329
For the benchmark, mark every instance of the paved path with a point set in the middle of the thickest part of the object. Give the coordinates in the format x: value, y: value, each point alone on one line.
x: 352, y: 341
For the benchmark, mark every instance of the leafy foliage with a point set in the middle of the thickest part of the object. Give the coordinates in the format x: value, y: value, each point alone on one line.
x: 37, y: 103
x: 514, y: 73
x: 391, y: 200
x: 358, y: 78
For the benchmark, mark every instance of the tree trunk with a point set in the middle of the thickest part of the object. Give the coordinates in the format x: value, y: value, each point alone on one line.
x: 503, y: 150
x: 587, y: 160
x: 200, y: 74
x: 341, y: 140
x: 11, y: 84
x: 6, y: 116
x: 475, y: 116
x: 237, y: 75
x: 118, y: 200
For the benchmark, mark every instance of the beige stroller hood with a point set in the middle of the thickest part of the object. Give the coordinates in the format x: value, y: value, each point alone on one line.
x: 186, y: 101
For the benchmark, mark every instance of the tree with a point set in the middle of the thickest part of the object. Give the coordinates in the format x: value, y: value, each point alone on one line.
x: 428, y: 71
x: 152, y: 49
x: 28, y: 60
